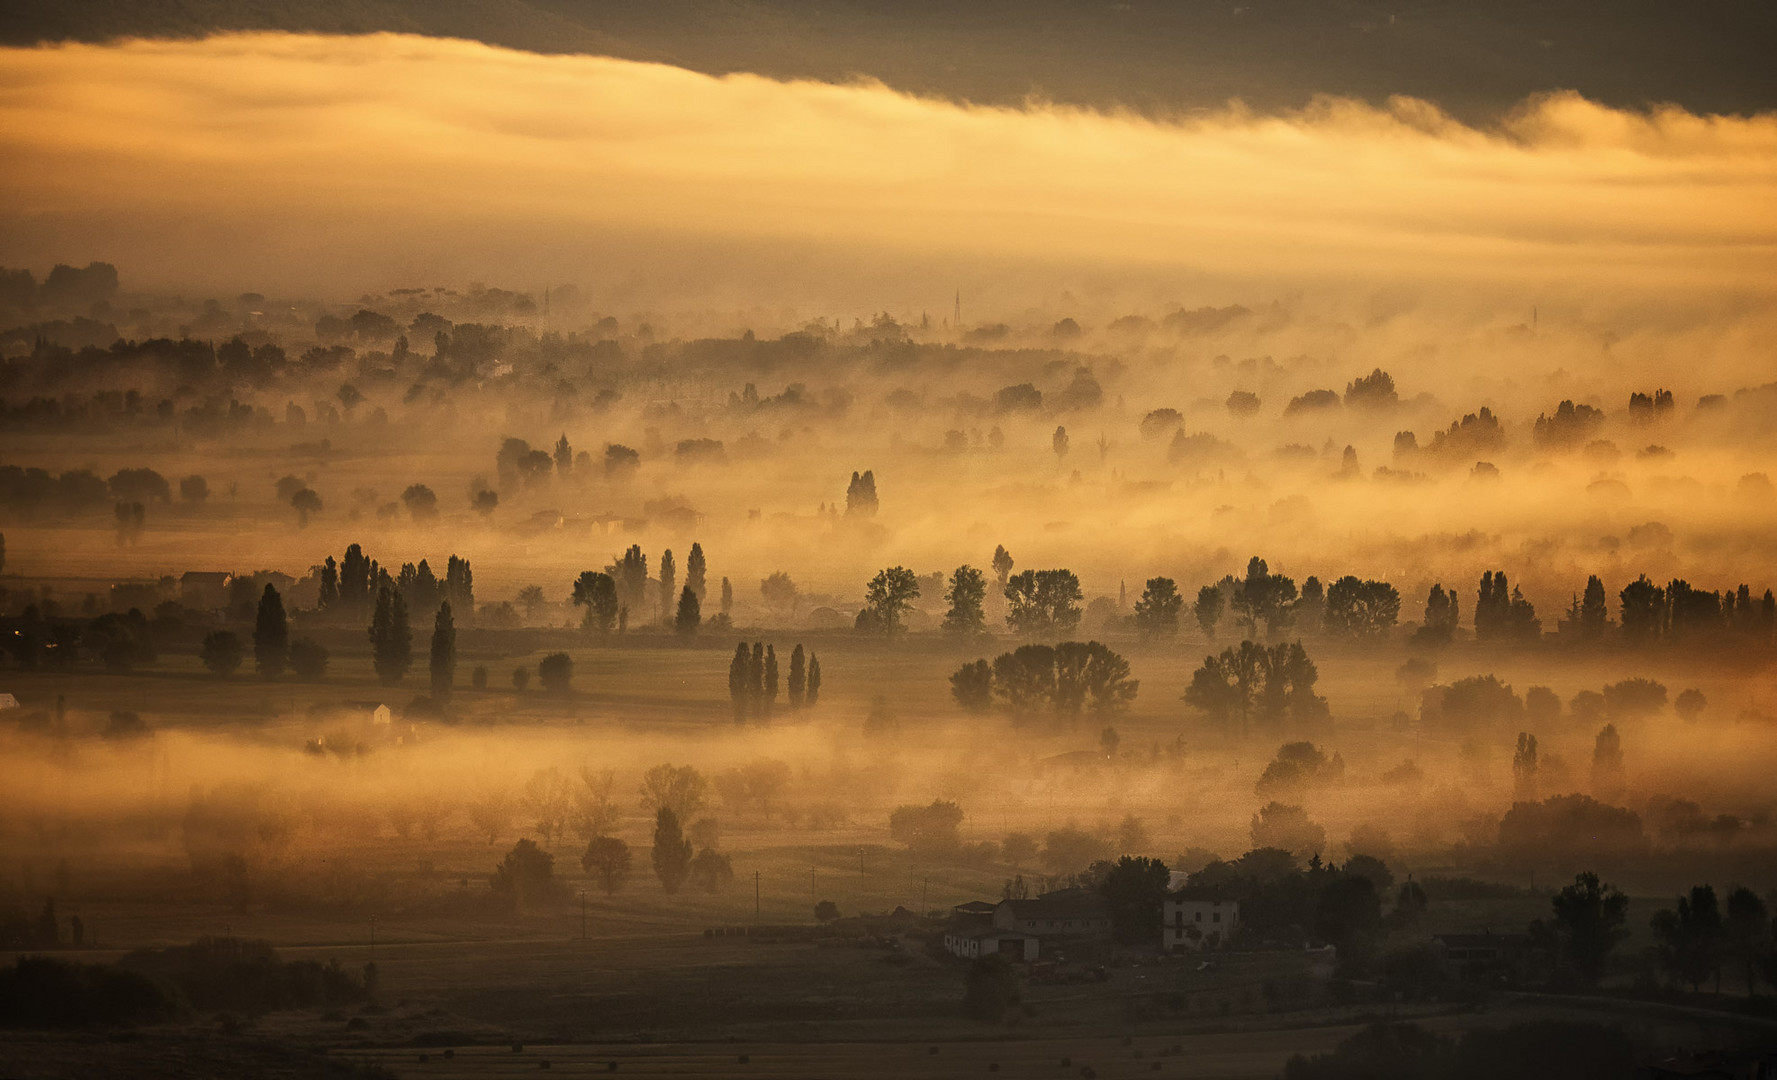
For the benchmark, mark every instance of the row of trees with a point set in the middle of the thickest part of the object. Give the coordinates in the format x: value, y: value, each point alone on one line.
x: 753, y: 681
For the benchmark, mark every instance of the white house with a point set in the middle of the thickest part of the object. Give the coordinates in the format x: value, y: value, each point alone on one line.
x: 1197, y: 918
x: 381, y: 716
x: 972, y: 943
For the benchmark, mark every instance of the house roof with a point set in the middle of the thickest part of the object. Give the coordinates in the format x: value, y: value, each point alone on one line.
x: 1065, y: 904
x: 975, y: 907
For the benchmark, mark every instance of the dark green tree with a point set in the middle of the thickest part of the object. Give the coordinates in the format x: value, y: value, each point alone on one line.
x: 797, y: 689
x: 630, y: 573
x: 972, y: 686
x: 391, y: 642
x: 1002, y: 564
x: 1748, y: 933
x: 556, y: 672
x: 1088, y: 675
x: 1442, y: 614
x: 597, y: 593
x: 1589, y: 918
x: 669, y: 585
x: 607, y: 859
x: 814, y: 679
x: 1594, y: 612
x: 1691, y: 938
x: 672, y: 852
x: 1157, y: 612
x: 739, y: 681
x: 887, y: 599
x: 1024, y: 679
x: 1361, y: 609
x: 329, y: 597
x: 444, y: 653
x: 967, y: 591
x: 222, y: 652
x: 355, y: 579
x: 690, y: 614
x: 929, y: 830
x: 1642, y: 614
x: 1135, y: 887
x: 696, y: 571
x: 1264, y: 597
x: 525, y: 875
x: 271, y: 635
x: 1043, y: 602
x: 768, y: 687
x: 1208, y: 609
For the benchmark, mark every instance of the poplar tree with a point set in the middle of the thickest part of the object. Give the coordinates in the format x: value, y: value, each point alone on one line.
x: 769, y: 697
x: 444, y: 653
x: 798, y: 686
x: 814, y: 679
x: 739, y: 671
x: 391, y: 641
x: 271, y: 635
x: 695, y: 569
x: 669, y: 585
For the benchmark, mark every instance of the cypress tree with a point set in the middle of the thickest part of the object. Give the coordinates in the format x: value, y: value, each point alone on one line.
x: 798, y: 677
x: 738, y: 673
x: 695, y: 569
x: 390, y: 639
x: 770, y: 698
x: 672, y: 852
x: 669, y: 584
x: 756, y: 680
x: 814, y: 679
x: 690, y: 614
x: 444, y: 653
x: 329, y: 584
x: 271, y: 635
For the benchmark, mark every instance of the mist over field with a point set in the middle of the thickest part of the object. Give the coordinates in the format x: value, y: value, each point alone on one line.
x: 551, y: 534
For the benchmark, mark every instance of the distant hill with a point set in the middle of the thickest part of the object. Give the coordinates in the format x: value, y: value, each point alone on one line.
x: 1474, y: 58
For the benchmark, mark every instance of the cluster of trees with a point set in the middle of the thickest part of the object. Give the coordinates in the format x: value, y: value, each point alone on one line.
x: 753, y: 681
x: 1057, y: 680
x: 609, y: 596
x: 1698, y: 940
x: 1272, y: 683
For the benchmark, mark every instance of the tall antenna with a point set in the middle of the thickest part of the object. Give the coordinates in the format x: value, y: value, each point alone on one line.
x: 959, y: 309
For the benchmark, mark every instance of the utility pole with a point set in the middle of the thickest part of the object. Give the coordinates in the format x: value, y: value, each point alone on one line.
x: 755, y: 896
x: 582, y: 914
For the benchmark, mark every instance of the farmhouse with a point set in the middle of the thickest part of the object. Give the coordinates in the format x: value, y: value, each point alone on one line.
x: 205, y: 590
x: 1197, y: 918
x: 972, y: 943
x: 1064, y: 913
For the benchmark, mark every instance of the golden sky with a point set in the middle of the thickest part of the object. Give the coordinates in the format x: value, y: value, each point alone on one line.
x: 358, y: 162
